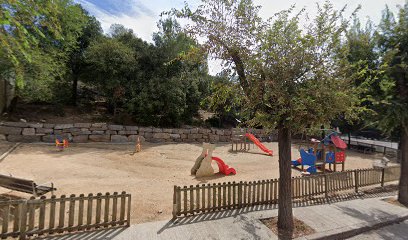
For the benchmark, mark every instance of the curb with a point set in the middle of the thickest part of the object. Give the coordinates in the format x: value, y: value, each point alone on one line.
x: 357, y: 231
x: 4, y: 155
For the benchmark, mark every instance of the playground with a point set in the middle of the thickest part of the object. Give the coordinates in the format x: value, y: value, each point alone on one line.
x: 148, y: 175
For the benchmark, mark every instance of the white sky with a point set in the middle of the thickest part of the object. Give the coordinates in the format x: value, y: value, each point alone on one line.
x: 142, y: 15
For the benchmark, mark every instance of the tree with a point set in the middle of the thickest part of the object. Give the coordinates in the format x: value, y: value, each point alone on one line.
x: 38, y: 38
x: 391, y: 102
x: 92, y: 31
x: 292, y: 76
x: 363, y: 63
x: 225, y: 99
x: 21, y: 29
x: 111, y: 64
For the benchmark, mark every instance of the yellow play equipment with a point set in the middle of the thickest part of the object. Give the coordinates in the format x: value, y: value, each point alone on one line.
x: 138, y: 146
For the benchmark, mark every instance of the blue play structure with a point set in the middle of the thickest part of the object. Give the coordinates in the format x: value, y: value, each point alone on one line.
x: 329, y: 150
x: 306, y: 158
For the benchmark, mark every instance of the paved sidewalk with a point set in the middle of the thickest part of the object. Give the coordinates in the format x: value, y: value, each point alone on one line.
x: 398, y: 231
x: 328, y: 220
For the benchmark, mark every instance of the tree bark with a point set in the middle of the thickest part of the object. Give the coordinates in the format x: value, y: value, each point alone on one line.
x: 74, y: 89
x: 403, y: 183
x: 285, y: 214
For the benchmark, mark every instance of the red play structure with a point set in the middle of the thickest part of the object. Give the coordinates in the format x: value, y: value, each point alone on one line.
x: 224, y: 168
x: 259, y: 144
x: 203, y: 167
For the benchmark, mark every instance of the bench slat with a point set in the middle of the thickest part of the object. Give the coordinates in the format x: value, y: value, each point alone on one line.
x: 23, y: 185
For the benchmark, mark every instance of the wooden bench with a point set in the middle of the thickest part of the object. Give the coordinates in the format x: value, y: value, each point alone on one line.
x: 27, y: 186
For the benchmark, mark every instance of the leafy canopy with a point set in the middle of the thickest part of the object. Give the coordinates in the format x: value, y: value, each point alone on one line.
x: 293, y: 76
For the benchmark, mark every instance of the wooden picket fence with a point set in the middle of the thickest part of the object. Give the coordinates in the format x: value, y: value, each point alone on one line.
x: 25, y: 218
x: 235, y: 195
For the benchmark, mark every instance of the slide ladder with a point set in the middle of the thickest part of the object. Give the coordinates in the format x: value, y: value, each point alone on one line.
x: 259, y: 144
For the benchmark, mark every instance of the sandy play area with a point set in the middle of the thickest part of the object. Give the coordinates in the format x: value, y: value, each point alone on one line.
x: 149, y: 175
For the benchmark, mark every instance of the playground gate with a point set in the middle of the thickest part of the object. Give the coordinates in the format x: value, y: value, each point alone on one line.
x: 235, y: 195
x: 25, y: 218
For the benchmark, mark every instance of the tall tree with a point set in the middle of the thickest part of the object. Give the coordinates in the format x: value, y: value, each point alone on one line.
x: 363, y: 62
x: 111, y: 64
x: 292, y: 76
x: 92, y: 31
x: 38, y: 38
x: 392, y: 101
x: 22, y: 25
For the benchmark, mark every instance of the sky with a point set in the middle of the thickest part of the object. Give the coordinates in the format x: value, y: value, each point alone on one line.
x: 142, y: 15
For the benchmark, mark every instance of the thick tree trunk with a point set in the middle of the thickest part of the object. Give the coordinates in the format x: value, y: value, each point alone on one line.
x: 74, y: 90
x: 285, y: 215
x: 403, y: 183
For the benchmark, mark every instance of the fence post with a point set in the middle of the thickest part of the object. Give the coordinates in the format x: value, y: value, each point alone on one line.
x: 240, y: 194
x: 23, y: 220
x: 326, y: 187
x: 382, y: 176
x: 129, y: 209
x: 175, y: 202
x: 356, y: 180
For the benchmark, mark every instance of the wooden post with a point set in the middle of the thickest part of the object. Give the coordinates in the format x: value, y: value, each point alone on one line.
x: 240, y: 194
x: 122, y: 207
x: 23, y: 220
x: 71, y: 212
x: 114, y: 208
x: 106, y: 212
x: 16, y: 224
x: 81, y: 211
x: 52, y: 213
x: 326, y: 186
x: 197, y: 207
x: 31, y: 213
x: 61, y: 213
x: 174, y: 201
x: 128, y: 210
x: 382, y: 176
x: 356, y: 180
x: 89, y: 211
x: 6, y: 213
x: 99, y: 209
x: 191, y: 199
x: 203, y: 197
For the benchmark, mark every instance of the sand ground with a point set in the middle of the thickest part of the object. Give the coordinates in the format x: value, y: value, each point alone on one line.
x: 149, y: 175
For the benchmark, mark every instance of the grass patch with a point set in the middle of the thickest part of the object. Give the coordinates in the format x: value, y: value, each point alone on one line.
x: 300, y: 228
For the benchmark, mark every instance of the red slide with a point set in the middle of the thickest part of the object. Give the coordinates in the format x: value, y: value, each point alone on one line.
x: 224, y: 168
x: 259, y: 144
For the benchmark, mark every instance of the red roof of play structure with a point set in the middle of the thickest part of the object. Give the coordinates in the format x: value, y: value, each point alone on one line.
x: 338, y: 142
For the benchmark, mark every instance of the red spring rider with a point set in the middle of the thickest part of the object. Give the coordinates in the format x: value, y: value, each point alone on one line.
x: 61, y: 143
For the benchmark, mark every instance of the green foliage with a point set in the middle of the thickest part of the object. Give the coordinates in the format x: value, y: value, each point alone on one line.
x: 37, y: 38
x: 159, y: 86
x: 292, y: 76
x: 21, y: 30
x: 225, y: 99
x: 111, y: 64
x: 391, y: 101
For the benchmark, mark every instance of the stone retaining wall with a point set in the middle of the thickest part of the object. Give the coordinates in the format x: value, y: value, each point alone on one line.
x: 102, y: 132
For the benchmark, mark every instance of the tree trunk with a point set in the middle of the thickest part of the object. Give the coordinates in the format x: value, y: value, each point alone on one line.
x: 403, y: 183
x: 349, y: 140
x: 74, y: 89
x: 285, y: 215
